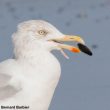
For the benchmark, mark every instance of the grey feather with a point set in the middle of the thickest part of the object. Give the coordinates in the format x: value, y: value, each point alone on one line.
x: 6, y: 90
x: 4, y: 79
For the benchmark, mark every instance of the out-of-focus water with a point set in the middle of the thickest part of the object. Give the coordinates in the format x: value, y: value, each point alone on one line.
x: 85, y: 81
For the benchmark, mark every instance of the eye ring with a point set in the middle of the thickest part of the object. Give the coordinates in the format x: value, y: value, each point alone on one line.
x: 42, y: 32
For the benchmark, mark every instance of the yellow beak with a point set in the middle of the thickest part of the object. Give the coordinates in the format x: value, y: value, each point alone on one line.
x: 72, y: 38
x: 68, y: 38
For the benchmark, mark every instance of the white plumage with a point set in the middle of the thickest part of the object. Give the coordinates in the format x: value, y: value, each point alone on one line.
x: 31, y: 77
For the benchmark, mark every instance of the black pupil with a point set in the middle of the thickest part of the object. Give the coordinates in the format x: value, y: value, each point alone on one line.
x: 42, y: 32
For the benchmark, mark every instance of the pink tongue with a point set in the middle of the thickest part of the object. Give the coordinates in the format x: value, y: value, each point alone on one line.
x: 64, y: 54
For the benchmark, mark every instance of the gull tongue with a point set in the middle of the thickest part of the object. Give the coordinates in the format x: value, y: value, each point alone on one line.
x: 64, y: 54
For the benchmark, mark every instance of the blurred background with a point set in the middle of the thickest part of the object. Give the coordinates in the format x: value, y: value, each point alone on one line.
x: 85, y: 80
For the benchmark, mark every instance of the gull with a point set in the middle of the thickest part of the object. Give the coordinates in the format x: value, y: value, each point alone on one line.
x: 30, y: 78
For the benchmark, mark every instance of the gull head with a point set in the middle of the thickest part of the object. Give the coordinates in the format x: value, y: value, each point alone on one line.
x: 39, y: 34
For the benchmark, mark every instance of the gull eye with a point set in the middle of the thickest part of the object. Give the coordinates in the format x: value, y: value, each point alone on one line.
x: 42, y: 32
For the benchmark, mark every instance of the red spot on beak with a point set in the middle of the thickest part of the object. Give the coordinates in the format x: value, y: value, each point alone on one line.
x: 76, y: 50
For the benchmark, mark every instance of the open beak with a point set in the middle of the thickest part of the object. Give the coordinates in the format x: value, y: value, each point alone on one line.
x: 69, y: 38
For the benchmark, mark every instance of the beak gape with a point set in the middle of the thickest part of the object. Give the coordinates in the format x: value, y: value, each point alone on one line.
x: 81, y: 44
